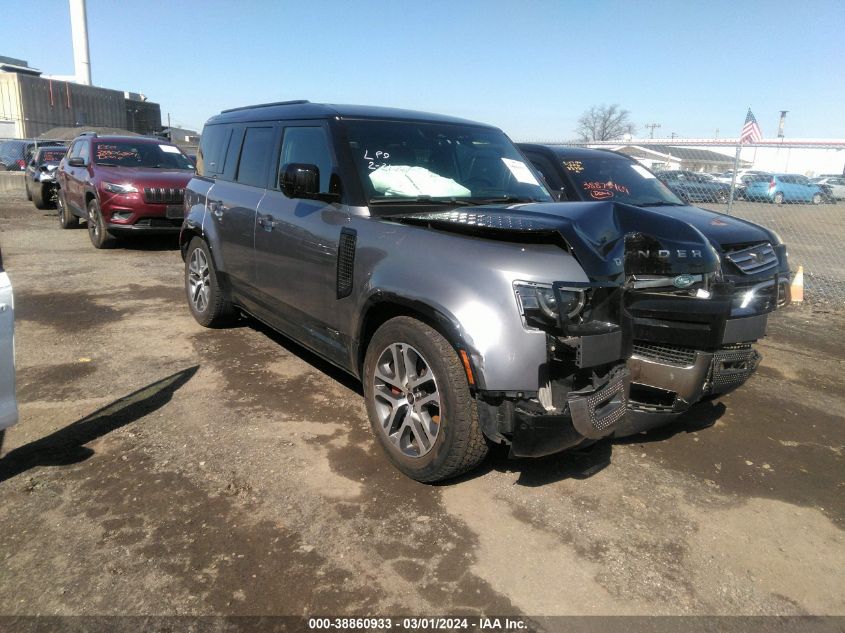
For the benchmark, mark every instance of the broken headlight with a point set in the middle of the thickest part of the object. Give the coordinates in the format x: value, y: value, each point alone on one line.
x: 543, y: 306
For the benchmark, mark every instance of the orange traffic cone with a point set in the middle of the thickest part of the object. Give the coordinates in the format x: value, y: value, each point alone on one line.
x: 797, y: 287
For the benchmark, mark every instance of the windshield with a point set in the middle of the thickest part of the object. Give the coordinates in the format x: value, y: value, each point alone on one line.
x: 52, y: 155
x: 618, y: 179
x: 408, y: 160
x: 129, y: 154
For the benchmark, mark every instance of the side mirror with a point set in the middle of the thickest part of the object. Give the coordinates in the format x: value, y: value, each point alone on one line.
x: 299, y: 180
x: 76, y: 161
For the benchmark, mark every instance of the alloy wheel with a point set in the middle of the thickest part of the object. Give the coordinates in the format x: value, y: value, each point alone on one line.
x: 199, y: 282
x: 407, y: 400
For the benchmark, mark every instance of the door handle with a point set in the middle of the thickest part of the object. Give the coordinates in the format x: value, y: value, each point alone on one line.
x: 266, y: 222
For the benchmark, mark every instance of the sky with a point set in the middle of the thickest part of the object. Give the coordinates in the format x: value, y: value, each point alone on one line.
x: 530, y: 68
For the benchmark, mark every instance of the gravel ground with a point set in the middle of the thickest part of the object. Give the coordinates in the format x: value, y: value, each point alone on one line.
x: 163, y: 468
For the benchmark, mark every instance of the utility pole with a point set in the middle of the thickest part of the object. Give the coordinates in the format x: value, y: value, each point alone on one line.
x: 673, y: 135
x: 651, y: 127
x: 781, y: 122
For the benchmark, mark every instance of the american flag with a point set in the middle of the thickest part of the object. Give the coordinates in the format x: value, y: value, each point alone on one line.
x: 750, y: 131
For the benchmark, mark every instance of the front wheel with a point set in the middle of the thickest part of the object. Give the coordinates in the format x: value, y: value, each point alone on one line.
x: 100, y: 237
x: 28, y: 192
x: 817, y: 198
x: 419, y: 403
x: 37, y: 198
x: 206, y: 298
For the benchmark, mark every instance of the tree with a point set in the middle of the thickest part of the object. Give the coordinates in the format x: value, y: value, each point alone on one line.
x: 604, y: 123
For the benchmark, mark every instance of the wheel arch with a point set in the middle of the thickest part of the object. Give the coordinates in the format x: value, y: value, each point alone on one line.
x: 380, y: 308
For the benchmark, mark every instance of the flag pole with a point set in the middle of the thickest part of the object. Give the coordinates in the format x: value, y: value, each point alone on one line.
x: 733, y: 178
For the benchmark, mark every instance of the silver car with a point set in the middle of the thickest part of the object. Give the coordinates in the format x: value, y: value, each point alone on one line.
x: 422, y: 254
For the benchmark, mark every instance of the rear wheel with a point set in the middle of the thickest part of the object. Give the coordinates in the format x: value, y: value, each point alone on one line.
x: 66, y: 219
x: 206, y: 298
x: 778, y: 199
x: 722, y: 196
x: 419, y: 403
x: 100, y: 237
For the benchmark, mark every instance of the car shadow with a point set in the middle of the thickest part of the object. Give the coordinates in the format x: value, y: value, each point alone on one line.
x: 67, y: 445
x: 584, y: 462
x: 333, y: 372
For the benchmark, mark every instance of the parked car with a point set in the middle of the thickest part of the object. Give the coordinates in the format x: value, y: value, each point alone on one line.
x: 694, y: 187
x: 8, y: 401
x: 780, y: 188
x: 16, y: 153
x: 40, y: 176
x: 422, y: 254
x: 122, y: 186
x: 670, y: 375
x: 835, y: 183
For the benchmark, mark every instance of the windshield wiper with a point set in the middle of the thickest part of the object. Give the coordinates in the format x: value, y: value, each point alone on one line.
x: 504, y: 199
x: 458, y: 202
x: 659, y: 203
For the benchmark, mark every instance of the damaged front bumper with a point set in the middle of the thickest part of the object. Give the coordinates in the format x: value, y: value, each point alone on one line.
x: 589, y: 413
x: 667, y: 380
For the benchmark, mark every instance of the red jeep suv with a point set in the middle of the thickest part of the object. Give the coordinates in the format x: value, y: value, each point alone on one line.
x: 122, y: 185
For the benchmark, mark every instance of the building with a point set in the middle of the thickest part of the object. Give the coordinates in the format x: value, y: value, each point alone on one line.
x: 660, y: 157
x: 31, y: 104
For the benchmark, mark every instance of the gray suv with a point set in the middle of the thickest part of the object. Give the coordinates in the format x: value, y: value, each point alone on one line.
x: 422, y: 254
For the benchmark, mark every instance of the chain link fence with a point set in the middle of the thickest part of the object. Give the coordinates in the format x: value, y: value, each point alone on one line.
x: 796, y: 189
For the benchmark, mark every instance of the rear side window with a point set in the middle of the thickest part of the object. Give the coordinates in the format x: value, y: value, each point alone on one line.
x: 311, y: 146
x: 255, y: 155
x: 212, y: 149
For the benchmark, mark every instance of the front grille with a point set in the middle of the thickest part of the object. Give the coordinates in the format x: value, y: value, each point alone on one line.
x: 163, y: 195
x: 669, y: 354
x: 754, y: 259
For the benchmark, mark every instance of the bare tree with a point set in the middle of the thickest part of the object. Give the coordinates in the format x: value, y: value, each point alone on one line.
x: 604, y: 123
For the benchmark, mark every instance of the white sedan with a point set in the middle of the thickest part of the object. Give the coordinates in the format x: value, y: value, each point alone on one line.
x: 8, y: 402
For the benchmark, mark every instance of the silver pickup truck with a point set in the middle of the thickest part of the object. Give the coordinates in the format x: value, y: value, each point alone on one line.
x: 423, y: 255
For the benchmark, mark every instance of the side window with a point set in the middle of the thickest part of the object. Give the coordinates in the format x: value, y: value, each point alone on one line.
x: 229, y: 168
x: 255, y: 155
x: 213, y: 144
x: 74, y: 149
x: 85, y: 152
x: 311, y: 146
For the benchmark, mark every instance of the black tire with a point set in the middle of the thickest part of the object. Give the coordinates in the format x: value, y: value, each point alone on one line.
x: 216, y: 310
x: 459, y: 445
x: 37, y: 198
x: 817, y: 198
x: 778, y: 199
x: 26, y: 186
x: 722, y: 196
x: 66, y: 219
x: 100, y: 237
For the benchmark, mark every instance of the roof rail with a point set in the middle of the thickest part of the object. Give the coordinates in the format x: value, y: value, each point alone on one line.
x: 267, y: 105
x: 87, y: 134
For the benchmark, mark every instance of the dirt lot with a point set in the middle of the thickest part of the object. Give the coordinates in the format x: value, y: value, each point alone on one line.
x: 162, y: 468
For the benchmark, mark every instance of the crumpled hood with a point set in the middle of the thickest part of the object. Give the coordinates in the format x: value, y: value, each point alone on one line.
x: 721, y: 229
x: 608, y: 239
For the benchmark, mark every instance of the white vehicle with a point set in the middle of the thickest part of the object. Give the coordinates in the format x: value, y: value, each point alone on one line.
x: 836, y: 184
x: 8, y: 402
